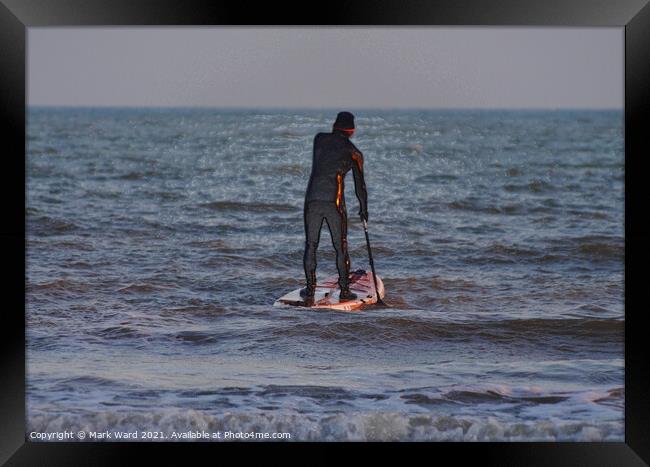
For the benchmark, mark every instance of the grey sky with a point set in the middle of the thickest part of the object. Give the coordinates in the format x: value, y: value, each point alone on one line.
x: 327, y: 67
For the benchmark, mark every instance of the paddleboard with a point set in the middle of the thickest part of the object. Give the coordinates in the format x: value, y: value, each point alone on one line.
x: 327, y: 293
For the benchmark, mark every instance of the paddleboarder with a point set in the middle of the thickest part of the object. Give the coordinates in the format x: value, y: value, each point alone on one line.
x: 334, y: 156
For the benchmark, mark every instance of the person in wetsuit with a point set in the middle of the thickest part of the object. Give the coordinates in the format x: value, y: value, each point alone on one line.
x: 334, y: 155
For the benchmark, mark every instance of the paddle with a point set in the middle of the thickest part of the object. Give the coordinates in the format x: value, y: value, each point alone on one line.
x: 380, y: 302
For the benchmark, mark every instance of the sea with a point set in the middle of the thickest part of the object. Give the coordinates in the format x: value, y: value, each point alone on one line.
x: 159, y: 238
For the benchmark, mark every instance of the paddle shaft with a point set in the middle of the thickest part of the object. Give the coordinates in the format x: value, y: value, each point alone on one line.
x: 372, y: 263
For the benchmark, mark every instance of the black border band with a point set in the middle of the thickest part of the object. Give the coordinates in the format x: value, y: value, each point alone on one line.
x: 12, y: 232
x: 359, y: 12
x: 633, y: 14
x: 637, y: 116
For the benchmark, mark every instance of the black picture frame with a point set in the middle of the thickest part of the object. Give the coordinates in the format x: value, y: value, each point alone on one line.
x: 18, y: 15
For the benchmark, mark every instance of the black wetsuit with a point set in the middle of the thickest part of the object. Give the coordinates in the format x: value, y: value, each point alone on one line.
x: 334, y: 156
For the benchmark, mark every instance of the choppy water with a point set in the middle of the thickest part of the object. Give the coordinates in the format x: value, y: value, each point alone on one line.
x: 158, y: 240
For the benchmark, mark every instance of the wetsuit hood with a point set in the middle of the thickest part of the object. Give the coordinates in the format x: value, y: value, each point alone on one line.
x: 344, y: 121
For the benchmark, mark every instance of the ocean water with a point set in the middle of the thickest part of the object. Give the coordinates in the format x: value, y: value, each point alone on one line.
x: 158, y: 239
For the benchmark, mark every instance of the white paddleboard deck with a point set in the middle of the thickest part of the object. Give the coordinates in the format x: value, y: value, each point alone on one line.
x: 327, y: 293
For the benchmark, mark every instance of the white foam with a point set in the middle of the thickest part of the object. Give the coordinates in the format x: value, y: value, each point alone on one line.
x: 374, y: 426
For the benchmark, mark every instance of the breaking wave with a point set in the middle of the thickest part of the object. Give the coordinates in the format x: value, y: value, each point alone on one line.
x: 377, y: 426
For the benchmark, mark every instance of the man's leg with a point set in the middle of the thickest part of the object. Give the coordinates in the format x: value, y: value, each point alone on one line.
x: 337, y: 221
x: 313, y: 222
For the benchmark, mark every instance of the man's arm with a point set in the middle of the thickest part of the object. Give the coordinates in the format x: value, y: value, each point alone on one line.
x: 359, y: 183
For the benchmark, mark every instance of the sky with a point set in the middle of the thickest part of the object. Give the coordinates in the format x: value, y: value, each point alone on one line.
x: 327, y: 67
